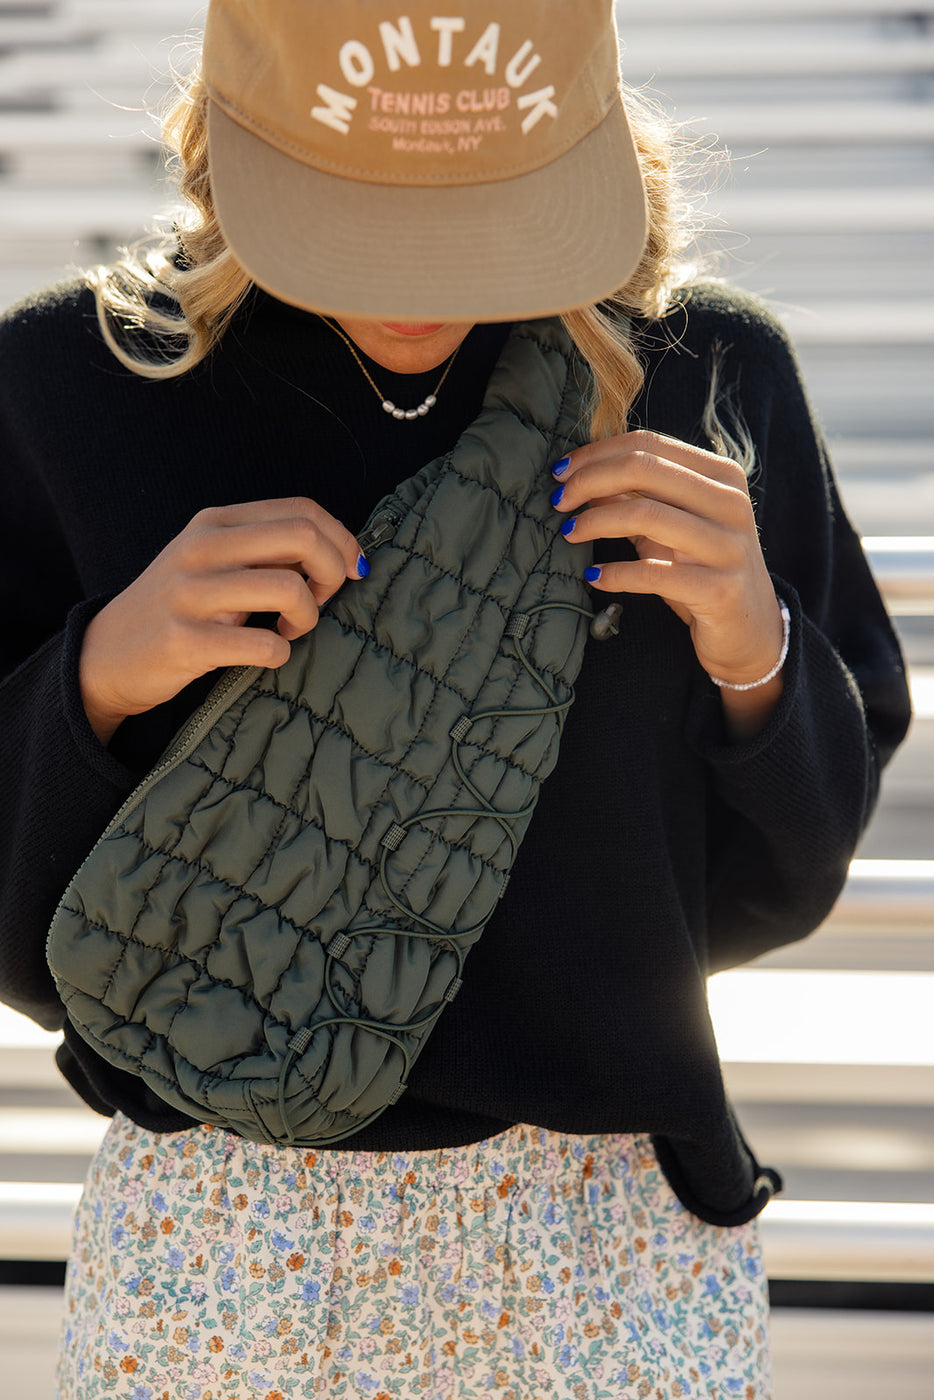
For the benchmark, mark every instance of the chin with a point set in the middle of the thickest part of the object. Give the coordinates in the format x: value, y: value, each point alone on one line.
x: 405, y: 347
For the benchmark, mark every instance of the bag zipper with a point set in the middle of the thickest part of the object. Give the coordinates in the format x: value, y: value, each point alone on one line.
x: 382, y: 525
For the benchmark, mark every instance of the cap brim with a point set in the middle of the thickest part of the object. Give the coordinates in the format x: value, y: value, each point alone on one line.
x: 560, y: 237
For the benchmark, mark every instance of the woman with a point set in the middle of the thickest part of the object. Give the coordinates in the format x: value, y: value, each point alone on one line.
x: 562, y: 1203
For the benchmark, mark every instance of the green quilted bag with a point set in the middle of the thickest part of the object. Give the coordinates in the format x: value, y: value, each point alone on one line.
x: 271, y: 926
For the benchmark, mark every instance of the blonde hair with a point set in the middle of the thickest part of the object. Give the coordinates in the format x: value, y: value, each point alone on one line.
x: 164, y: 306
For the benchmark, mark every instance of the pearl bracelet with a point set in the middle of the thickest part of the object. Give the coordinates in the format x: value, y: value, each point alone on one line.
x: 769, y: 675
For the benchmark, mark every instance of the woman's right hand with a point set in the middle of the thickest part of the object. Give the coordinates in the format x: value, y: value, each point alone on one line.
x: 185, y: 615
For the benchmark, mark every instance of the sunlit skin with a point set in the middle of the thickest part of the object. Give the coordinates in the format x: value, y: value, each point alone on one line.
x: 405, y: 347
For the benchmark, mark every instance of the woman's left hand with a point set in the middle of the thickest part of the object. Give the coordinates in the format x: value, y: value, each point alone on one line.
x: 688, y: 515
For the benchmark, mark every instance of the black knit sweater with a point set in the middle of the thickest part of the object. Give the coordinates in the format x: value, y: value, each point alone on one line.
x: 659, y: 850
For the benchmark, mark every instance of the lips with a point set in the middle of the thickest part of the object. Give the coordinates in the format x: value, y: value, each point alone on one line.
x: 413, y: 328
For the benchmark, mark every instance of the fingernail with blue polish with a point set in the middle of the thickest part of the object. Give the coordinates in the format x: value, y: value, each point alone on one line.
x: 555, y: 496
x: 592, y: 573
x: 568, y: 526
x: 363, y: 567
x: 561, y: 467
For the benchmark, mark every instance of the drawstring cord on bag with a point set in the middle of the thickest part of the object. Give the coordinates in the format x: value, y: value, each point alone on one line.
x: 602, y: 625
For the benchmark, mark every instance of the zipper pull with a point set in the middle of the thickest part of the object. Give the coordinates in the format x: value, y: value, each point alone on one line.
x: 381, y: 528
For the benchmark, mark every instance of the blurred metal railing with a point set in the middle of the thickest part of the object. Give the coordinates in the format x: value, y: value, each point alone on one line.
x: 904, y: 570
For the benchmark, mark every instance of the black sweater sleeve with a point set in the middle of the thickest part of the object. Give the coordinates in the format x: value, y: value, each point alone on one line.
x: 789, y: 806
x: 59, y: 786
x: 46, y: 743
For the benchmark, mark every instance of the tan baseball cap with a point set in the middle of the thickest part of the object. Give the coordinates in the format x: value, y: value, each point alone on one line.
x: 424, y: 161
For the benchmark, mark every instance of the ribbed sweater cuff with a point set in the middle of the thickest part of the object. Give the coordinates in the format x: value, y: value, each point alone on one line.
x: 706, y: 727
x: 89, y: 748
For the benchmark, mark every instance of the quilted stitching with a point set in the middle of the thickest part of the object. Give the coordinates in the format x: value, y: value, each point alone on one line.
x: 193, y: 945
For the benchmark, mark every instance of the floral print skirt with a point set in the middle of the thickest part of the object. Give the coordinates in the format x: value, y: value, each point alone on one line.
x: 535, y: 1264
